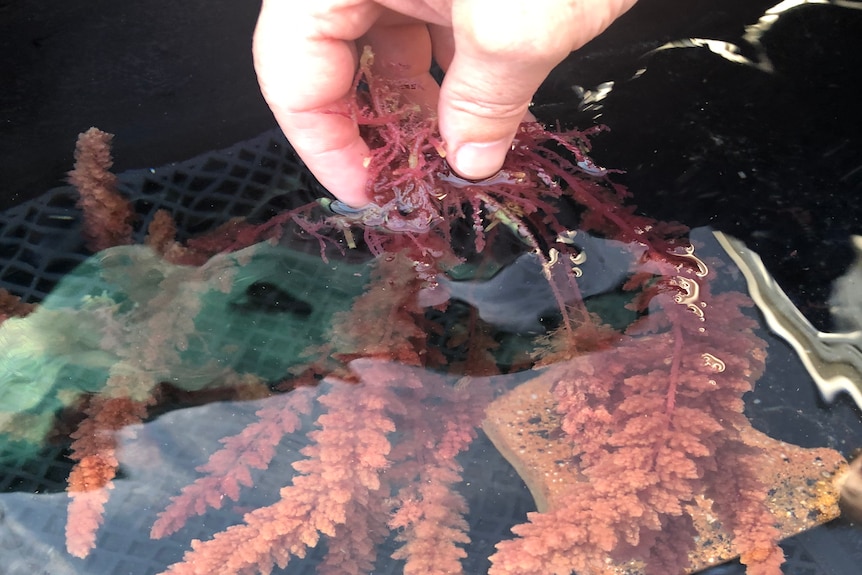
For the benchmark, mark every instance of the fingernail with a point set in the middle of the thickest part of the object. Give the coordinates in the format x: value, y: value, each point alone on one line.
x: 479, y: 160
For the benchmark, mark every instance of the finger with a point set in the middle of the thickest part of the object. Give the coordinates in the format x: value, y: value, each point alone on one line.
x: 443, y: 45
x: 305, y: 60
x: 402, y: 53
x: 444, y: 51
x: 505, y: 50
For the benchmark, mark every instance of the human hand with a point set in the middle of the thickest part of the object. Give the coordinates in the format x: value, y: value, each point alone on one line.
x: 495, y: 54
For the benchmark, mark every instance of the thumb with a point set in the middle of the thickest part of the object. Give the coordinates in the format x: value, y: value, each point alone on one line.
x: 504, y: 49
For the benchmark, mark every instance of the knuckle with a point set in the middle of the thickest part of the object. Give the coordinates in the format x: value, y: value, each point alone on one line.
x: 519, y: 33
x: 485, y: 108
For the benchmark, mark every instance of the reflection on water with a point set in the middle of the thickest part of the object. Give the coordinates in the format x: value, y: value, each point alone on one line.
x: 846, y: 298
x: 754, y: 34
x: 749, y: 52
x: 834, y: 360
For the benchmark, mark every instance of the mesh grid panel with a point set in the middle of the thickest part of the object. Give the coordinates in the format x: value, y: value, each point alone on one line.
x: 40, y: 240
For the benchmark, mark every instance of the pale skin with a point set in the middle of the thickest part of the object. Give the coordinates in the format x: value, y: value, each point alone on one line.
x: 495, y: 54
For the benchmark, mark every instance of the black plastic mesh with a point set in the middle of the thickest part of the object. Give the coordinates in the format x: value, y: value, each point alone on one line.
x: 40, y: 240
